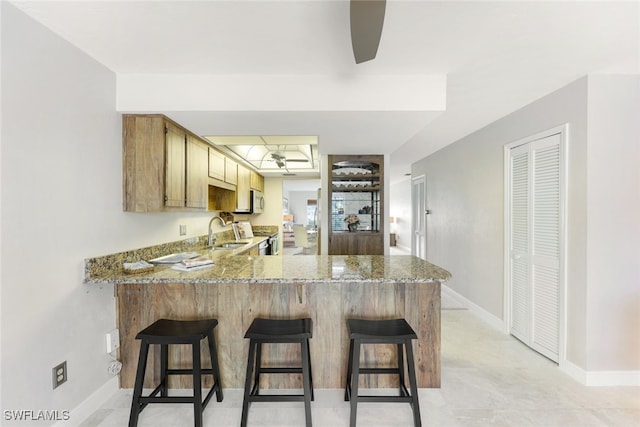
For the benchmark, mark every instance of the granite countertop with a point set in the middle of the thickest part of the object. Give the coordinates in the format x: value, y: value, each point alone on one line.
x: 231, y: 268
x: 237, y: 266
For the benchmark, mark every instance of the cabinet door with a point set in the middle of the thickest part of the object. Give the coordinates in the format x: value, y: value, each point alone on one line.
x: 175, y: 167
x: 257, y: 181
x: 230, y: 171
x: 197, y: 166
x: 216, y: 164
x: 356, y: 244
x: 144, y: 147
x: 243, y: 194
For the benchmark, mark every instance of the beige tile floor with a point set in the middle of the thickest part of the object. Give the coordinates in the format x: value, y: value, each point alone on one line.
x: 488, y: 378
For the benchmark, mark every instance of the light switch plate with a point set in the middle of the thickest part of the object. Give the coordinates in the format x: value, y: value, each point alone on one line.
x: 113, y: 340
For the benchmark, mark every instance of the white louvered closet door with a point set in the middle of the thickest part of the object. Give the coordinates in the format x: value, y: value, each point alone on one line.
x: 535, y: 236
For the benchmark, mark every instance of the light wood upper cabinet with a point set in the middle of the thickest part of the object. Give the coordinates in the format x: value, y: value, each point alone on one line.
x: 216, y: 164
x: 222, y: 168
x: 230, y: 172
x: 243, y: 194
x: 175, y: 171
x: 196, y: 173
x: 165, y: 166
x: 257, y: 181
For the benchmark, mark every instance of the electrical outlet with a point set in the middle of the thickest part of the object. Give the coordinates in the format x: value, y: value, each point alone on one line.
x: 113, y: 340
x: 183, y: 230
x: 59, y: 374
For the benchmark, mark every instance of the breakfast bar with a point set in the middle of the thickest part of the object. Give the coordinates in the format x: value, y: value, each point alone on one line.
x: 328, y: 289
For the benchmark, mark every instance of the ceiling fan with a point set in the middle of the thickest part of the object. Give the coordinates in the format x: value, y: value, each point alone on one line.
x: 281, y: 160
x: 367, y: 19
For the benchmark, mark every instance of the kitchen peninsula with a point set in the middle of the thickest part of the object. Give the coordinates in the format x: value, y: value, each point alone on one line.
x: 239, y: 288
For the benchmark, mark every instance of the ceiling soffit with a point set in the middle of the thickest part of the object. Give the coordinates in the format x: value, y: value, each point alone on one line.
x: 273, y: 154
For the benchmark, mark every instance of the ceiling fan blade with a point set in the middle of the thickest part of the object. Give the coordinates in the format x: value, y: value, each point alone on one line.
x: 367, y: 19
x: 297, y: 160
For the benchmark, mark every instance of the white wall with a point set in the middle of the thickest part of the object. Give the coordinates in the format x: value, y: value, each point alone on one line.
x: 298, y: 205
x: 61, y: 202
x: 465, y: 229
x: 400, y: 209
x: 613, y: 221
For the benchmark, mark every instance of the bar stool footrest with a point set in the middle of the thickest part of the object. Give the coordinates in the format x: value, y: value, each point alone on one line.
x: 408, y: 399
x: 277, y: 398
x: 364, y: 371
x: 280, y: 370
x: 189, y: 371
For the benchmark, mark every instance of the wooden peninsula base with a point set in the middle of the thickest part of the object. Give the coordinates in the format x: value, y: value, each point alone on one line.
x: 236, y: 304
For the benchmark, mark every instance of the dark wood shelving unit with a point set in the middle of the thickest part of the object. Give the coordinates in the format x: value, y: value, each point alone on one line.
x: 356, y: 189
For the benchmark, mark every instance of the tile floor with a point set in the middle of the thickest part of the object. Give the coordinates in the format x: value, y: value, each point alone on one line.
x: 488, y: 378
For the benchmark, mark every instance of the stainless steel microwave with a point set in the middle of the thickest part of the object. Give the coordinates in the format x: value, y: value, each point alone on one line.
x: 257, y: 202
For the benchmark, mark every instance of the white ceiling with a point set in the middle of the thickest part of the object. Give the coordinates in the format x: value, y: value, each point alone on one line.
x: 497, y: 56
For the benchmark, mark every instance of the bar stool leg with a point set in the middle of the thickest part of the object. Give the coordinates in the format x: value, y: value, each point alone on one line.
x: 164, y: 366
x: 310, y: 370
x: 137, y: 389
x: 306, y: 380
x: 415, y: 405
x: 256, y: 383
x: 247, y: 383
x: 402, y: 385
x: 347, y: 388
x: 355, y: 375
x: 197, y: 385
x: 213, y: 353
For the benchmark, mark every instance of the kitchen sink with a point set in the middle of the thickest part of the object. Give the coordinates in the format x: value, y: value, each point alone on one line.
x: 230, y: 245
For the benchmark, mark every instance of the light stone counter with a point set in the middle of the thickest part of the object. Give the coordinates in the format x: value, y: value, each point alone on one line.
x: 231, y: 268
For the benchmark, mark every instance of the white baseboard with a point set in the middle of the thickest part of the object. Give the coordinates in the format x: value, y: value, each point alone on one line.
x: 601, y: 378
x: 613, y: 378
x: 91, y: 404
x: 483, y: 314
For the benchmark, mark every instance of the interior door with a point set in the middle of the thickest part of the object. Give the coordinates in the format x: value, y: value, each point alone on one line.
x: 418, y: 217
x: 535, y: 242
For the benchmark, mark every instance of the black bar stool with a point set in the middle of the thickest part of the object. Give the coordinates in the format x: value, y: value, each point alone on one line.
x: 394, y: 331
x: 165, y: 332
x: 269, y: 331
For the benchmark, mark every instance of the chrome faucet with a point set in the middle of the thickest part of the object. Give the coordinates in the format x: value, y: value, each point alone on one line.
x: 212, y: 238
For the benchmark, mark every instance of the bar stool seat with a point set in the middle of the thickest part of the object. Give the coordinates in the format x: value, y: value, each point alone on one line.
x: 392, y: 331
x: 165, y: 332
x: 268, y: 331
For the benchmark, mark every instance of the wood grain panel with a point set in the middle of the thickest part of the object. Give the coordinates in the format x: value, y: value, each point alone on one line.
x: 357, y: 243
x: 230, y: 171
x: 175, y: 169
x: 216, y: 164
x: 257, y: 181
x: 197, y: 173
x: 235, y: 305
x: 143, y: 163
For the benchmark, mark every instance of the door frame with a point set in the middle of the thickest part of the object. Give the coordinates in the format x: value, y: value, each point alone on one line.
x: 563, y: 131
x: 422, y: 210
